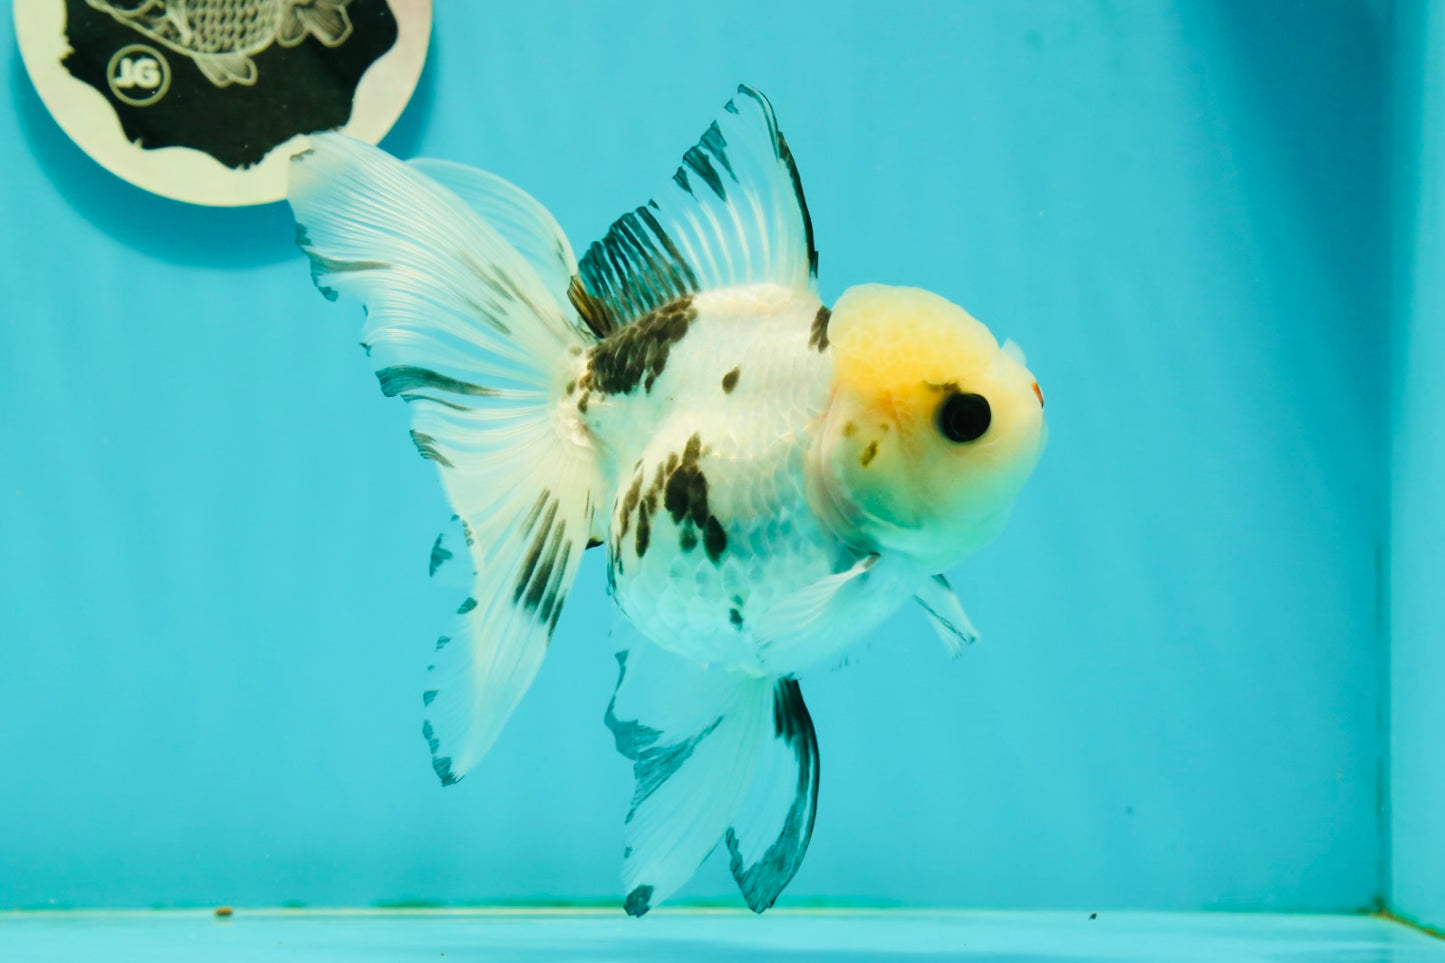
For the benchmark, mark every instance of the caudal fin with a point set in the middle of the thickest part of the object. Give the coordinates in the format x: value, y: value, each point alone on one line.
x: 717, y: 756
x: 471, y: 329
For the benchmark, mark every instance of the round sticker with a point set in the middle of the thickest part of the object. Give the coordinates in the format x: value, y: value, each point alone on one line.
x: 207, y: 100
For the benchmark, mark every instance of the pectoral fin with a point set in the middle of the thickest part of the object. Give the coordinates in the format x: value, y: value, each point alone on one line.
x: 797, y: 614
x: 946, y: 614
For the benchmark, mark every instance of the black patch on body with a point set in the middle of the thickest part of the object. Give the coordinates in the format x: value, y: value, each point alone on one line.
x: 467, y: 606
x: 736, y: 618
x: 714, y: 539
x: 764, y: 880
x: 637, y: 354
x: 818, y: 337
x: 684, y: 490
x: 869, y: 454
x: 730, y: 380
x: 685, y: 494
x: 679, y: 486
x: 644, y: 532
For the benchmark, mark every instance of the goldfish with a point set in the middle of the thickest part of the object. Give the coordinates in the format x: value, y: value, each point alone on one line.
x: 222, y: 36
x: 769, y: 478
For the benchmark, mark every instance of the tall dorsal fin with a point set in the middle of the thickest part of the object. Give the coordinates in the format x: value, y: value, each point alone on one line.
x: 733, y: 215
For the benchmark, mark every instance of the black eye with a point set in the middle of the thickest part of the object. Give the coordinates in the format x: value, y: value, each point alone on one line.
x: 964, y: 417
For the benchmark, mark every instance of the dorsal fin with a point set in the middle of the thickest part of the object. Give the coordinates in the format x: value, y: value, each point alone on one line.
x: 732, y: 215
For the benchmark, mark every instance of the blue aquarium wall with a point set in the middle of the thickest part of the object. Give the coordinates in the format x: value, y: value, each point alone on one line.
x: 1417, y: 612
x: 214, y: 605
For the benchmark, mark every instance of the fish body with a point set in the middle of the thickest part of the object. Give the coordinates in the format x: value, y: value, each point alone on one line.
x: 769, y: 477
x: 709, y: 526
x: 222, y: 36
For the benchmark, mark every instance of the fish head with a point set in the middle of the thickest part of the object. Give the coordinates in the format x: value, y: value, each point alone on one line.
x: 931, y: 429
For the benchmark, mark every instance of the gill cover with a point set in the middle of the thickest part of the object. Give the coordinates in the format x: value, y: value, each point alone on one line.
x: 931, y: 430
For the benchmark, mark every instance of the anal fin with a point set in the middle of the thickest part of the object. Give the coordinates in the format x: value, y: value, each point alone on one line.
x: 691, y: 733
x: 769, y: 836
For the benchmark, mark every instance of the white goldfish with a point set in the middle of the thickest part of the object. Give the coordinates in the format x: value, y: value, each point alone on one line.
x: 222, y: 36
x: 770, y: 479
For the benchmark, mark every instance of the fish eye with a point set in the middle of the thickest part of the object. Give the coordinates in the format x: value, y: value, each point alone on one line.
x: 964, y: 417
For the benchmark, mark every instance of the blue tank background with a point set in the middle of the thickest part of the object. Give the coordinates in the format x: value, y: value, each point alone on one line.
x: 214, y: 610
x: 1417, y: 610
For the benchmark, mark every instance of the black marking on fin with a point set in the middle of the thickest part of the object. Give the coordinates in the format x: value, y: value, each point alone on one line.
x: 702, y: 167
x: 399, y: 378
x: 634, y: 269
x: 321, y: 264
x: 730, y: 380
x: 539, y: 544
x: 657, y: 764
x: 716, y: 144
x: 442, y: 641
x: 784, y: 154
x: 736, y: 618
x: 764, y: 880
x: 467, y: 606
x: 426, y: 445
x: 637, y: 267
x: 638, y: 901
x: 442, y: 766
x: 428, y: 697
x: 632, y: 738
x: 439, y: 555
x: 957, y: 632
x: 818, y: 337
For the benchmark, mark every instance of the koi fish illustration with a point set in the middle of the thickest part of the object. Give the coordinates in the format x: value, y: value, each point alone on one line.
x: 222, y: 36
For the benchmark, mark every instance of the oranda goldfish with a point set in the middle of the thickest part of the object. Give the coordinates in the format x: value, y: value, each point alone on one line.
x: 770, y: 478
